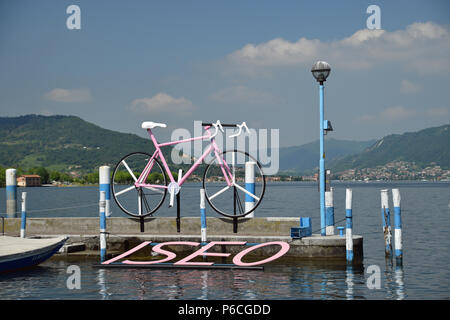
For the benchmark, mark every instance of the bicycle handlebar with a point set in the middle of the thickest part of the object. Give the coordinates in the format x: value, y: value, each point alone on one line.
x: 220, y: 126
x: 242, y: 125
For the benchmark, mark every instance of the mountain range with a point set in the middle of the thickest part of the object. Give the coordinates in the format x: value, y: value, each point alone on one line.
x: 68, y: 143
x: 305, y: 158
x: 424, y: 147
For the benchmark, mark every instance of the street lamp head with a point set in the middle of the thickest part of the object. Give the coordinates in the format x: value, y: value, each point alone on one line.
x: 321, y: 71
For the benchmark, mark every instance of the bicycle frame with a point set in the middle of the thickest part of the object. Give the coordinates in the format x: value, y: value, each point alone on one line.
x: 158, y: 153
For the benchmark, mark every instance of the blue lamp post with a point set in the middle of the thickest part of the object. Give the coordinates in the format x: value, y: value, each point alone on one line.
x: 321, y: 71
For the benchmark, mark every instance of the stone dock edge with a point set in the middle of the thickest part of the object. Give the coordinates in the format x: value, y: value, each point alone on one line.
x: 124, y: 234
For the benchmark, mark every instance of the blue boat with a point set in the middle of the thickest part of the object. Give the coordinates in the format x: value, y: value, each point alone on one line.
x: 18, y: 253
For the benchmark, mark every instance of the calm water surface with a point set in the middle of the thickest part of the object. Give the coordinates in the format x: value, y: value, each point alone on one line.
x: 425, y: 273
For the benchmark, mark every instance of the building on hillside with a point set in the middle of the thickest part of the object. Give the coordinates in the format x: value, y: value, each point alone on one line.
x: 29, y: 180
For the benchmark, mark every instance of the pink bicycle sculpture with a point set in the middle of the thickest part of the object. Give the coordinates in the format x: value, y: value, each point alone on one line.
x: 140, y: 180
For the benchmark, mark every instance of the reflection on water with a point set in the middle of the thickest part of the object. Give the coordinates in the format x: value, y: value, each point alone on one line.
x: 395, y: 288
x: 309, y: 281
x: 400, y: 284
x: 424, y: 274
x: 305, y: 280
x: 349, y: 281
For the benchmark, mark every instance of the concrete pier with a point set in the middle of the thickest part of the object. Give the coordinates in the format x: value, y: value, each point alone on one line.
x: 124, y: 234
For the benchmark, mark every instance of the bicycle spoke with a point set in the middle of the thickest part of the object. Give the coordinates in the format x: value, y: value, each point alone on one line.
x: 241, y: 209
x: 129, y: 170
x: 124, y: 190
x: 146, y: 204
x: 154, y: 189
x: 140, y: 202
x: 148, y: 197
x: 246, y: 191
x: 233, y: 165
x: 219, y: 192
x: 232, y: 205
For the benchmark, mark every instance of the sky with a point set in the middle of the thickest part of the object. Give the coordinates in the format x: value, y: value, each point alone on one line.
x: 179, y: 61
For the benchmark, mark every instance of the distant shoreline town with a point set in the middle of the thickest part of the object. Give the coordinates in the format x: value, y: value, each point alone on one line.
x: 392, y: 171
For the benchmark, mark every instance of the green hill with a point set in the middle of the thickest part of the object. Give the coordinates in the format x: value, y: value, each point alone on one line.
x: 431, y: 145
x: 64, y: 143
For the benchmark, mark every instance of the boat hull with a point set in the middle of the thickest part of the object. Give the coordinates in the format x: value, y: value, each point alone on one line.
x: 31, y: 258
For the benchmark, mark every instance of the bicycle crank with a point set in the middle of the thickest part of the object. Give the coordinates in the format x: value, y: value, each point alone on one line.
x: 173, y: 189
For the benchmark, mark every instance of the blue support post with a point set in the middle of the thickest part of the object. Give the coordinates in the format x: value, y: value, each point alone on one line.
x: 322, y: 165
x: 105, y: 185
x: 23, y: 224
x: 397, y: 226
x: 102, y: 206
x: 250, y: 187
x: 386, y: 218
x: 11, y: 193
x: 203, y: 215
x: 349, y: 226
x: 329, y: 211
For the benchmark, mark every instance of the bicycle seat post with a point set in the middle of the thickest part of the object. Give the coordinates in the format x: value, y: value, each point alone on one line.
x: 180, y: 173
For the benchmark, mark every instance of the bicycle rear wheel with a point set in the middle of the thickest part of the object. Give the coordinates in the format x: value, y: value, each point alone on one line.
x: 241, y: 198
x: 138, y: 201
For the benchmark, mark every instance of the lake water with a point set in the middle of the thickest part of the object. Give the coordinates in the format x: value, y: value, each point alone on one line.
x: 425, y: 273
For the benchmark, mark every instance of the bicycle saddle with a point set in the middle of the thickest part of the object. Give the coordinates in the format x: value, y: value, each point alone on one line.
x: 151, y: 125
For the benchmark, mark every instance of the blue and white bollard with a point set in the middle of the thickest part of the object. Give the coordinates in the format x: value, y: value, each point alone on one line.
x: 102, y: 206
x: 397, y: 226
x: 105, y: 185
x: 23, y: 224
x: 250, y: 187
x: 203, y: 215
x: 386, y: 218
x: 349, y: 225
x: 11, y: 193
x: 329, y: 212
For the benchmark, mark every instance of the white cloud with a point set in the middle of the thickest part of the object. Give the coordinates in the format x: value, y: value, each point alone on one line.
x: 409, y: 87
x: 161, y: 102
x: 424, y: 47
x: 69, y: 95
x: 397, y: 113
x: 242, y: 94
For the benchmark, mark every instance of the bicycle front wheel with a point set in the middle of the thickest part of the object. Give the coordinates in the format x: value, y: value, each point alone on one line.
x: 143, y: 200
x: 248, y: 184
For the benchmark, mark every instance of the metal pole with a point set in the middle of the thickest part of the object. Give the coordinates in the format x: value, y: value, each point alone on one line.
x: 105, y: 185
x: 386, y: 218
x: 250, y: 187
x: 349, y: 225
x: 178, y: 220
x: 11, y: 193
x: 102, y: 206
x: 203, y: 215
x: 397, y: 226
x: 23, y: 225
x: 329, y: 209
x: 322, y: 166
